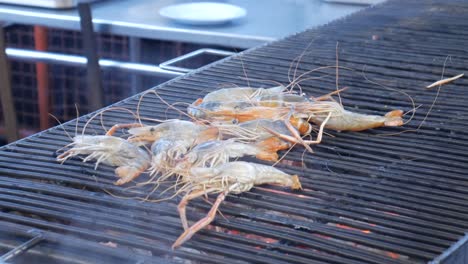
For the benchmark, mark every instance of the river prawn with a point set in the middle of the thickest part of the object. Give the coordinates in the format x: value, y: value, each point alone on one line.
x: 310, y: 110
x: 270, y: 106
x: 269, y: 135
x: 170, y: 140
x: 129, y: 159
x: 232, y: 177
x: 216, y: 152
x: 344, y: 120
x: 174, y: 128
x: 276, y: 105
x: 238, y: 93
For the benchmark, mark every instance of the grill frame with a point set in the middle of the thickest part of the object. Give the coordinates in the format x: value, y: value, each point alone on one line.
x: 354, y: 176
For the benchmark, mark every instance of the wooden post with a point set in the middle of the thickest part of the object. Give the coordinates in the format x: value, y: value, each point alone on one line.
x: 6, y: 97
x: 42, y: 76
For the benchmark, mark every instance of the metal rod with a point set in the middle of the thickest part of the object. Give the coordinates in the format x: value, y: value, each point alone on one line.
x: 22, y: 248
x: 93, y: 75
x: 6, y: 96
x: 72, y: 60
x: 135, y: 56
x: 457, y: 253
x: 167, y: 65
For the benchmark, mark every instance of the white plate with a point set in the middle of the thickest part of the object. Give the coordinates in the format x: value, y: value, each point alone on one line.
x: 354, y: 2
x: 203, y: 13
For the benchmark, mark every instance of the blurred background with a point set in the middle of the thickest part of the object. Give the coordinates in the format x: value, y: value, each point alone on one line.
x: 135, y: 37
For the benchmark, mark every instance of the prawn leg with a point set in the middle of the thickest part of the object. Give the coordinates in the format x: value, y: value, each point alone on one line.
x: 114, y: 128
x: 328, y: 96
x: 127, y: 174
x: 183, y: 204
x: 188, y: 233
x: 306, y: 142
x: 296, y: 136
x: 295, y: 133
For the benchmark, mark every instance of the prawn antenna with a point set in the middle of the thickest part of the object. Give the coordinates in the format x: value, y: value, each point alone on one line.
x: 114, y: 108
x: 337, y: 73
x: 169, y: 105
x: 413, y: 104
x: 139, y: 107
x: 263, y: 80
x: 243, y: 69
x: 77, y: 115
x: 296, y: 67
x: 61, y: 124
x: 439, y: 86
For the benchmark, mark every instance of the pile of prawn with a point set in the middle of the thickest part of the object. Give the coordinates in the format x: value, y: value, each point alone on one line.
x: 201, y: 155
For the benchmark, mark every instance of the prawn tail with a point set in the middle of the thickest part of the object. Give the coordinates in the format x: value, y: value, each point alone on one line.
x: 197, y: 102
x: 127, y: 174
x: 267, y: 156
x: 394, y: 118
x: 296, y: 184
x: 269, y: 147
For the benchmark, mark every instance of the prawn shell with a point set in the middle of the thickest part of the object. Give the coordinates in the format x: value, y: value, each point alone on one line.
x: 344, y: 120
x: 240, y: 176
x: 240, y: 93
x: 173, y: 128
x: 129, y: 159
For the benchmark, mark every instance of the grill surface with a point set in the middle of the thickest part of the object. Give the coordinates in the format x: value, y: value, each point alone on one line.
x: 368, y: 197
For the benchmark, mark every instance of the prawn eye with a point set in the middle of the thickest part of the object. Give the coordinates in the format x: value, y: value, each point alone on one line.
x: 235, y: 121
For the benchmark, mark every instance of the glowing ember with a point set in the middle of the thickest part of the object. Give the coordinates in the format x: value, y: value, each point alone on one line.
x: 392, y: 255
x: 322, y: 236
x: 352, y: 228
x: 233, y: 232
x: 261, y: 238
x: 361, y: 246
x: 303, y: 247
x: 359, y: 222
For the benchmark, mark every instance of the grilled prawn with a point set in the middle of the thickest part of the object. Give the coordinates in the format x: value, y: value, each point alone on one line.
x: 216, y: 152
x: 344, y: 120
x: 130, y: 160
x: 175, y: 128
x: 277, y: 106
x: 169, y: 140
x: 239, y: 93
x: 233, y: 177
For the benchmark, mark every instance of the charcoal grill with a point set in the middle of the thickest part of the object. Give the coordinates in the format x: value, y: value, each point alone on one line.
x: 369, y: 197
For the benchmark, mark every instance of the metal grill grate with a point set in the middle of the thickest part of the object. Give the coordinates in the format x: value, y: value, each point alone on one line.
x: 368, y: 197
